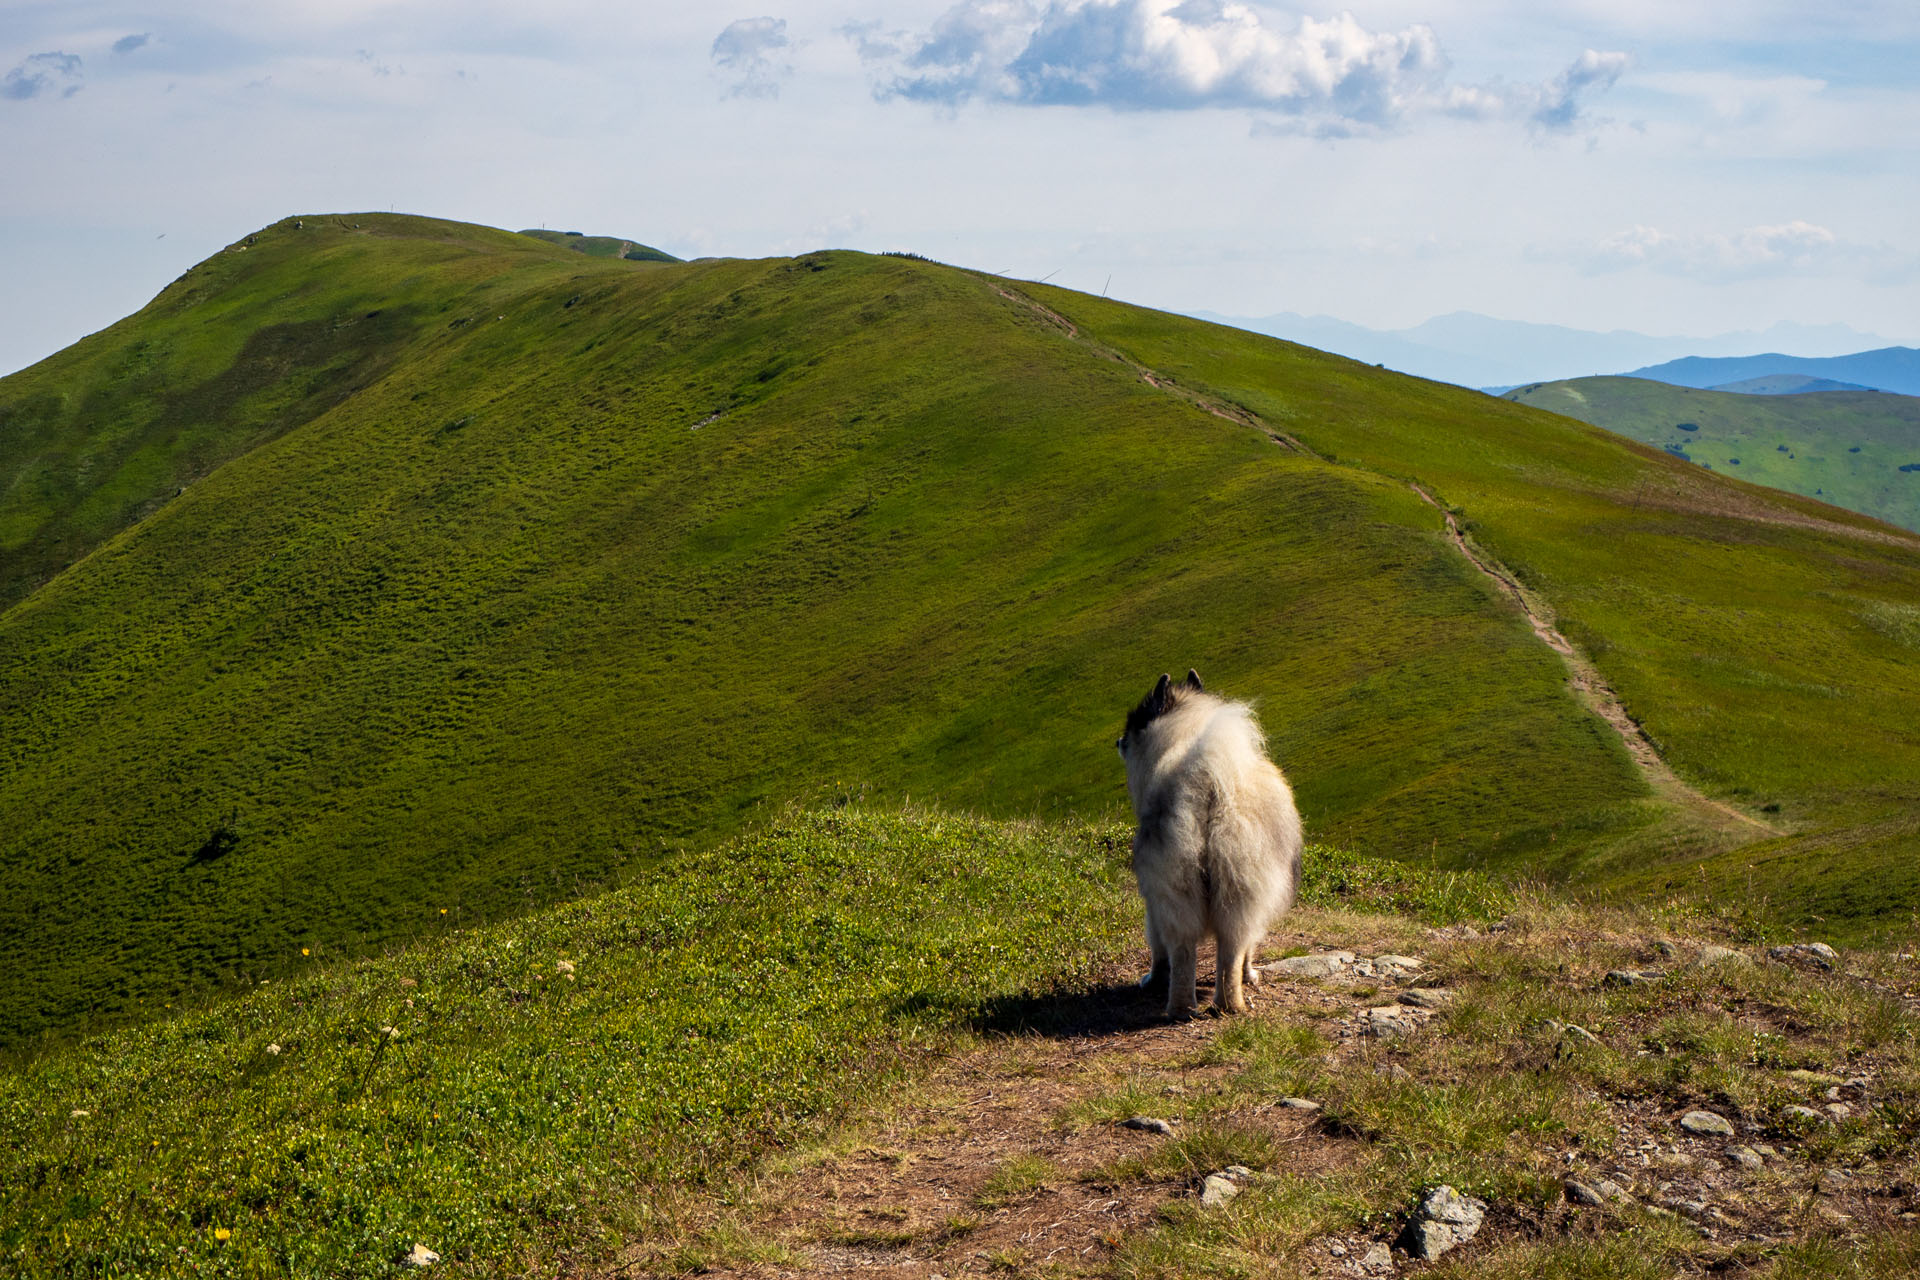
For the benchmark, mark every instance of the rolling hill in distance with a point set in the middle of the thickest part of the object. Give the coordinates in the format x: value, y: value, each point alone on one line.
x: 1857, y: 449
x: 387, y: 574
x: 1895, y: 369
x: 1473, y: 350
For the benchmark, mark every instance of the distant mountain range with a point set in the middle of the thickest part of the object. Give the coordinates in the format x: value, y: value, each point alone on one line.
x: 1786, y: 384
x: 1480, y: 351
x: 1888, y: 369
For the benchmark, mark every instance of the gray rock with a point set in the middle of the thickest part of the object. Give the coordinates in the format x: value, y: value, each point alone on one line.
x: 1711, y: 955
x: 1299, y: 1104
x: 1707, y: 1124
x: 1746, y: 1157
x: 1665, y: 950
x: 1614, y: 1192
x: 1377, y: 1260
x: 1238, y: 1172
x: 1833, y: 1182
x: 1629, y: 977
x: 1694, y: 1209
x: 1816, y: 955
x: 1813, y: 1079
x: 1445, y: 1220
x: 1580, y: 1193
x: 1577, y: 1034
x: 421, y: 1256
x: 1804, y: 1115
x: 1218, y: 1191
x: 1147, y: 1124
x: 1325, y: 965
x: 1391, y: 1022
x: 1839, y: 1110
x: 1392, y: 964
x: 1426, y: 997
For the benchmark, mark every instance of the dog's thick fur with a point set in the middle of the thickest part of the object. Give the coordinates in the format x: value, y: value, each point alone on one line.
x: 1218, y: 846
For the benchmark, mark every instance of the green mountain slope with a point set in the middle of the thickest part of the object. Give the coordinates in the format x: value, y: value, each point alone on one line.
x: 1768, y: 644
x: 606, y: 559
x: 602, y: 246
x: 612, y: 558
x: 1844, y: 447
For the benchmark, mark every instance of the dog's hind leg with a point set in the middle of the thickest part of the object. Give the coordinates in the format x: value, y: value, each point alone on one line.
x: 1156, y: 977
x: 1182, y: 978
x: 1232, y: 965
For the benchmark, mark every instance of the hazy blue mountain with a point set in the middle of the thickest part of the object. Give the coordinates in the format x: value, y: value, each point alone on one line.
x: 1481, y: 351
x: 1887, y: 369
x: 1787, y: 384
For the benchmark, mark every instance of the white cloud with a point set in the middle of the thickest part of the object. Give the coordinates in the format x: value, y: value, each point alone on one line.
x: 1329, y: 76
x: 52, y: 74
x: 746, y: 52
x: 1755, y: 251
x: 1558, y: 105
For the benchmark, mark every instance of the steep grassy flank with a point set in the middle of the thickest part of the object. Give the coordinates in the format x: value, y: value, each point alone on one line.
x: 257, y: 340
x: 613, y: 556
x: 522, y: 1083
x: 602, y: 246
x: 1766, y: 642
x: 1845, y: 447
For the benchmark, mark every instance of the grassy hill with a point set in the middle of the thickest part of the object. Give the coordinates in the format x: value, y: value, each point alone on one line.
x: 1894, y: 369
x: 602, y: 246
x: 569, y: 563
x: 1844, y: 447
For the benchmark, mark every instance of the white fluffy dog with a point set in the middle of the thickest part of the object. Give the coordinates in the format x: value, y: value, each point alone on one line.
x: 1218, y: 846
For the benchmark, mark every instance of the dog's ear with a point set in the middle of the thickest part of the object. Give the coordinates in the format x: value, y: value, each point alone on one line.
x: 1193, y: 681
x: 1162, y: 692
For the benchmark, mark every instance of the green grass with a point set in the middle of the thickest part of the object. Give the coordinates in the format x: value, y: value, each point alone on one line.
x: 1758, y: 637
x: 522, y: 615
x: 475, y: 1094
x: 603, y: 246
x: 1843, y: 447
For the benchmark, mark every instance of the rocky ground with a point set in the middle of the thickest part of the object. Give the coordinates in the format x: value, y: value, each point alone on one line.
x: 1557, y: 1094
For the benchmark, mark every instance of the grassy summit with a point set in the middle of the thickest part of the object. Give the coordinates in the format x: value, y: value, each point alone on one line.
x: 506, y: 571
x: 1857, y: 449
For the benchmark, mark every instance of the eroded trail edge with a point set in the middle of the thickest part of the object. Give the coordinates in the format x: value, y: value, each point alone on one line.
x: 1588, y: 684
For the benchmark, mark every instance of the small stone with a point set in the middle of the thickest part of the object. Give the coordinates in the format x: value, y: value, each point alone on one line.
x: 78, y: 1113
x: 1814, y: 1079
x: 1629, y: 977
x: 1147, y: 1124
x: 1575, y: 1032
x: 1390, y: 964
x: 1299, y: 1104
x: 1613, y: 1191
x: 1804, y: 1115
x: 1580, y: 1193
x: 1217, y: 1191
x: 1325, y: 965
x: 1336, y: 1250
x: 1666, y: 950
x: 421, y: 1257
x: 1707, y: 1124
x: 1391, y: 1022
x: 1445, y: 1220
x: 1238, y: 1172
x: 1712, y: 955
x: 1377, y: 1260
x: 1832, y: 1182
x: 1816, y: 955
x: 1839, y: 1110
x: 1695, y: 1209
x: 1426, y: 997
x: 1746, y: 1157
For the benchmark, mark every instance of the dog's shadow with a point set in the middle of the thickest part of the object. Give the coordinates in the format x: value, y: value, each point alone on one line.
x: 1072, y: 1015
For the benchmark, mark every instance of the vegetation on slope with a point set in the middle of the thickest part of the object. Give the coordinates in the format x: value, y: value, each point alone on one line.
x: 602, y: 246
x: 533, y: 1085
x: 1766, y: 643
x: 613, y: 556
x: 1855, y: 449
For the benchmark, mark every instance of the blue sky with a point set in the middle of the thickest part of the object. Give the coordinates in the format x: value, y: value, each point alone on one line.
x: 1665, y: 167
